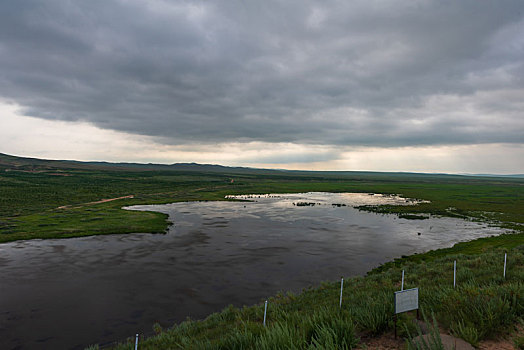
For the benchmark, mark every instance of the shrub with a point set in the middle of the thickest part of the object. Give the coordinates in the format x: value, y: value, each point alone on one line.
x: 467, y: 332
x: 374, y: 316
x: 431, y: 342
x: 280, y: 336
x: 519, y: 342
x: 487, y: 310
x: 336, y: 333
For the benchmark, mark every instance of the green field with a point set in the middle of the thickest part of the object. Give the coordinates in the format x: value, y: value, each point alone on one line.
x: 55, y: 200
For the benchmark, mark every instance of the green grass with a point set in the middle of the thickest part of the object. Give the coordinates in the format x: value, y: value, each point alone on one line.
x: 519, y: 342
x: 484, y: 305
x: 478, y: 246
x: 432, y: 342
x: 74, y: 223
x: 29, y: 201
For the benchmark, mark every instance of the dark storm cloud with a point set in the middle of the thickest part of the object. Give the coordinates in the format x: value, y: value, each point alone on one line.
x: 346, y: 73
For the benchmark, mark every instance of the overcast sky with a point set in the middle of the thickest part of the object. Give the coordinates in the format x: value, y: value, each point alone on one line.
x: 431, y: 86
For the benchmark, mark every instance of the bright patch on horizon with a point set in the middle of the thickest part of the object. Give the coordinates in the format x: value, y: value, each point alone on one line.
x: 34, y: 137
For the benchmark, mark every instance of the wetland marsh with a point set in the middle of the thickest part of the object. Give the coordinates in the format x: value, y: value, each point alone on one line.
x: 75, y: 292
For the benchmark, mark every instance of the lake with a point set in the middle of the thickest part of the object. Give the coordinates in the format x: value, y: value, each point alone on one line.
x: 70, y: 293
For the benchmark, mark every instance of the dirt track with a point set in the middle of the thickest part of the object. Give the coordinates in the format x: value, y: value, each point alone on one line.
x: 96, y: 202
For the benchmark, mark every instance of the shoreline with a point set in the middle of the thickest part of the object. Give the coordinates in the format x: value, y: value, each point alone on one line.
x: 476, y: 246
x: 488, y: 245
x: 484, y: 243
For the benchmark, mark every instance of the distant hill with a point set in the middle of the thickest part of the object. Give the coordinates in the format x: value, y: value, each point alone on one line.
x: 517, y: 176
x: 14, y: 163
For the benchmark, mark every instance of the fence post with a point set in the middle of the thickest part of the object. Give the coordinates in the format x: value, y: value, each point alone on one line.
x: 265, y: 312
x: 136, y: 342
x: 341, y: 287
x: 454, y: 273
x: 505, y: 258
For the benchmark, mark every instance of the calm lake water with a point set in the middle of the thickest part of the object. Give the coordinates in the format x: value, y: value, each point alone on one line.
x: 67, y: 294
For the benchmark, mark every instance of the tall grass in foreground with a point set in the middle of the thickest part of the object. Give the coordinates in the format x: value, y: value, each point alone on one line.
x: 482, y: 306
x: 432, y: 342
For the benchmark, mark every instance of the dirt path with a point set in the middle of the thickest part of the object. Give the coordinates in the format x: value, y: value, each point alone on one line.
x: 96, y: 202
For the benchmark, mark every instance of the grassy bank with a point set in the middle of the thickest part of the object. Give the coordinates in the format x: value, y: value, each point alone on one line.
x: 484, y: 305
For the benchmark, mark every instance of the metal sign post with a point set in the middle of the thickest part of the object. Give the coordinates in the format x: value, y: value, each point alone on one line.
x: 265, y: 312
x: 505, y: 258
x: 454, y: 273
x: 405, y: 300
x: 341, y: 287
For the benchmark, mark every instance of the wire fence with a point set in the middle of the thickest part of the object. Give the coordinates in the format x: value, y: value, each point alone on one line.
x: 142, y: 336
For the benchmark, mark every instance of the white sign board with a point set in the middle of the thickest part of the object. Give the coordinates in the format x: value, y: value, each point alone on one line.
x: 406, y: 300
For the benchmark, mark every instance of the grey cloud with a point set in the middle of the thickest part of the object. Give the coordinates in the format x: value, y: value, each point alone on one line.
x: 335, y: 72
x: 303, y: 156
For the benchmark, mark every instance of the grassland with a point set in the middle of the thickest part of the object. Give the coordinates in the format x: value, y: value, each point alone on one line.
x: 42, y: 200
x: 57, y: 203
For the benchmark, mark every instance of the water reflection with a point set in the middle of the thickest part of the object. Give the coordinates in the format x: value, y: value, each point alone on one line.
x: 74, y: 292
